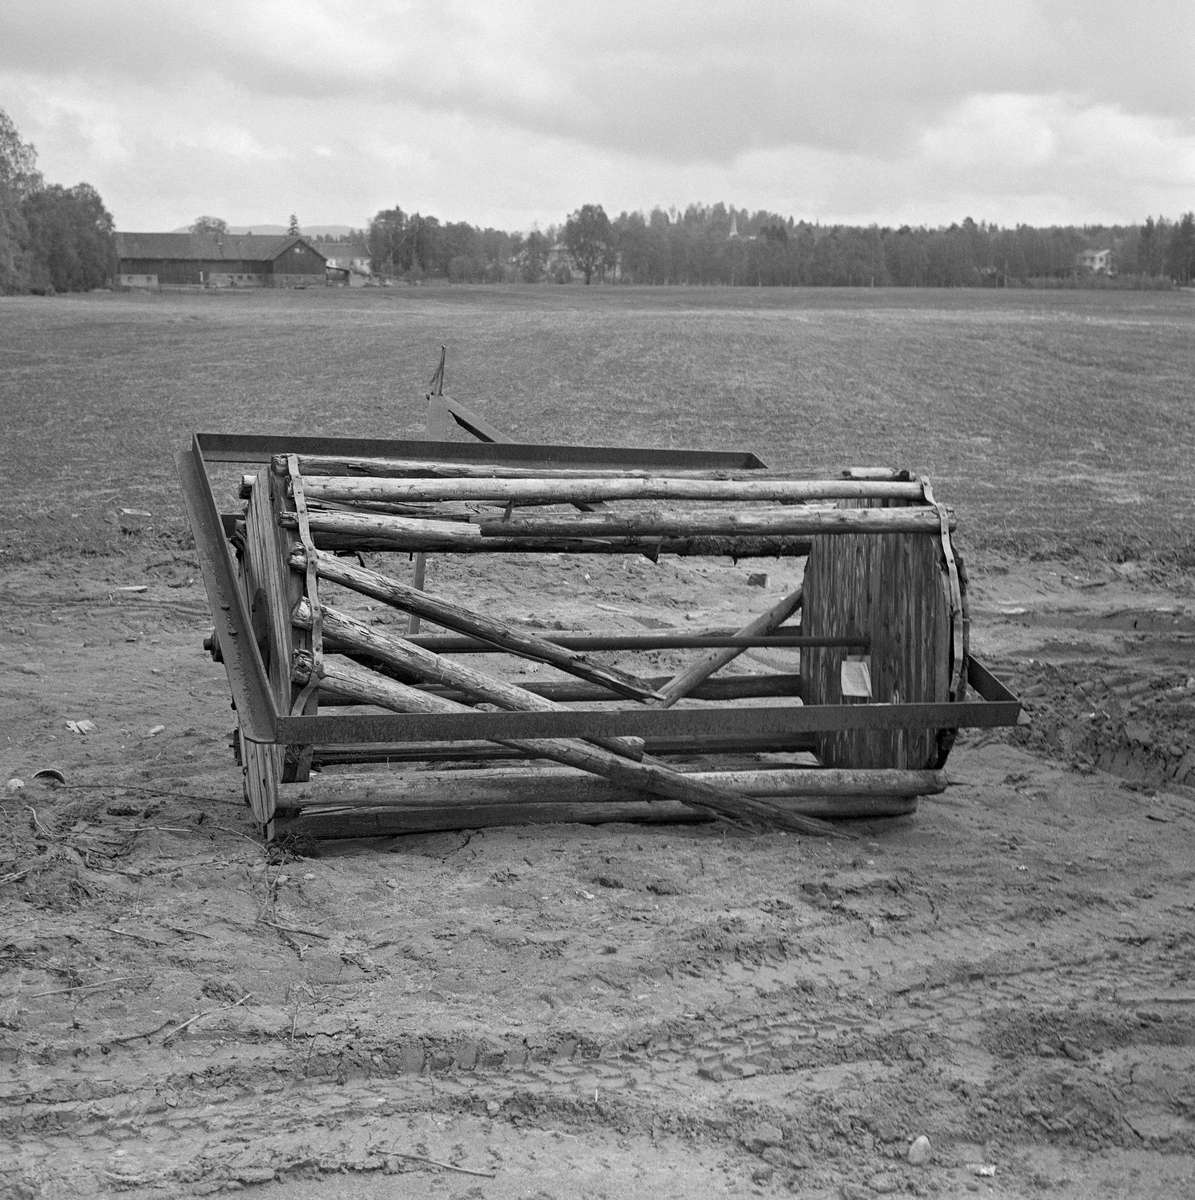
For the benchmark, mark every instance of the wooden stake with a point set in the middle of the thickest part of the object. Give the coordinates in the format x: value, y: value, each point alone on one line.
x: 351, y: 634
x: 692, y: 677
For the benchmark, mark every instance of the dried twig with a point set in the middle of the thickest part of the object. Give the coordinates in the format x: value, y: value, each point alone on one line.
x: 80, y: 987
x: 293, y: 929
x: 37, y: 825
x: 132, y: 1037
x: 431, y: 1162
x: 205, y: 1013
x: 15, y: 876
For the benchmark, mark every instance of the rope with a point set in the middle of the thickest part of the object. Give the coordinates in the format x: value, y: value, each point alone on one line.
x: 317, y: 615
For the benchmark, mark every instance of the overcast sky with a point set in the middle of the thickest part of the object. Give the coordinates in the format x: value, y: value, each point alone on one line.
x: 514, y: 112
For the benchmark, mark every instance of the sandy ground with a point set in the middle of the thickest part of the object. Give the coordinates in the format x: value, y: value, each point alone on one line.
x: 616, y: 1011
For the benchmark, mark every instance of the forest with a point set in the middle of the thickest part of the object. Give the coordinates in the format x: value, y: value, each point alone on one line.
x: 52, y: 238
x: 727, y: 246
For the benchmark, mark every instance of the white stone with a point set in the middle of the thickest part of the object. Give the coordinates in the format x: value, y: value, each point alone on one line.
x: 920, y: 1152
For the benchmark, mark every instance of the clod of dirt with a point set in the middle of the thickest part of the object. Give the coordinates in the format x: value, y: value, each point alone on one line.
x: 761, y: 1136
x: 664, y: 887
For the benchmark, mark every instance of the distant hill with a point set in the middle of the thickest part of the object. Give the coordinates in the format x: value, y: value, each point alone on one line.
x: 308, y: 231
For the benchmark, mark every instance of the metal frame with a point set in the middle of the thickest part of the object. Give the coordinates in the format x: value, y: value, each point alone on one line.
x: 262, y: 722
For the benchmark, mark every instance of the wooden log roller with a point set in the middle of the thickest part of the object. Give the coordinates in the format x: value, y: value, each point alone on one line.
x: 880, y: 623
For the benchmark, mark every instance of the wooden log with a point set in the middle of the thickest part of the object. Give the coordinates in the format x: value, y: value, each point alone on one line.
x: 412, y: 533
x: 695, y: 675
x: 340, y: 675
x: 480, y: 751
x: 836, y: 792
x: 355, y: 489
x: 795, y: 521
x: 489, y: 629
x: 731, y: 687
x: 348, y: 633
x: 386, y: 821
x: 350, y: 536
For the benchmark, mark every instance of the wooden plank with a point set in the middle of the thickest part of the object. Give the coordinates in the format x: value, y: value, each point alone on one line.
x: 265, y: 596
x: 893, y: 589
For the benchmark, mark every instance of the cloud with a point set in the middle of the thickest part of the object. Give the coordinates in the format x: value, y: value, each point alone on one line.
x: 522, y: 110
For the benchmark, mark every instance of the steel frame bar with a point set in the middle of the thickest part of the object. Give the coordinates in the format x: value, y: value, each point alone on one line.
x: 449, y: 644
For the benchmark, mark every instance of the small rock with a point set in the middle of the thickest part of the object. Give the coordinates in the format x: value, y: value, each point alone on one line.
x: 31, y: 668
x: 1074, y: 1051
x: 156, y: 730
x: 493, y: 1107
x: 757, y: 579
x: 763, y: 1174
x: 920, y: 1152
x: 883, y: 1183
x: 15, y: 784
x: 775, y: 1156
x: 255, y: 1174
x: 763, y: 1135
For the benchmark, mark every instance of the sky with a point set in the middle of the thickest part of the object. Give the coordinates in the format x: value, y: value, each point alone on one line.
x: 513, y: 113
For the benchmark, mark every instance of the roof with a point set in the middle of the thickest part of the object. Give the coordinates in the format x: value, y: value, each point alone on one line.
x: 341, y: 249
x: 202, y: 247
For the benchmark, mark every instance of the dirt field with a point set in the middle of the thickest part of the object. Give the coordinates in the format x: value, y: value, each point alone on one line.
x: 616, y: 1011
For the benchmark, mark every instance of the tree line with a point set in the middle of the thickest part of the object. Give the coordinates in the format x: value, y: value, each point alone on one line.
x: 720, y: 245
x: 52, y: 238
x: 55, y: 238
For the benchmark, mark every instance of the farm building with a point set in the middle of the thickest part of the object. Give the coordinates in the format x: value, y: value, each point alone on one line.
x: 348, y: 263
x: 1096, y: 262
x: 223, y: 260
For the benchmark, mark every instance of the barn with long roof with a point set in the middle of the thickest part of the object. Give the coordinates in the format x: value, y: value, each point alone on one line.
x: 228, y: 260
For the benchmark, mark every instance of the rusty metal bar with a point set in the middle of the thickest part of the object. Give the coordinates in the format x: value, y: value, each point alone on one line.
x: 448, y: 644
x: 261, y: 448
x: 772, y: 720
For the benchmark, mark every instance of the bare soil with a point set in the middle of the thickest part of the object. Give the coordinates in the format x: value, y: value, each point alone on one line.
x: 613, y: 1011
